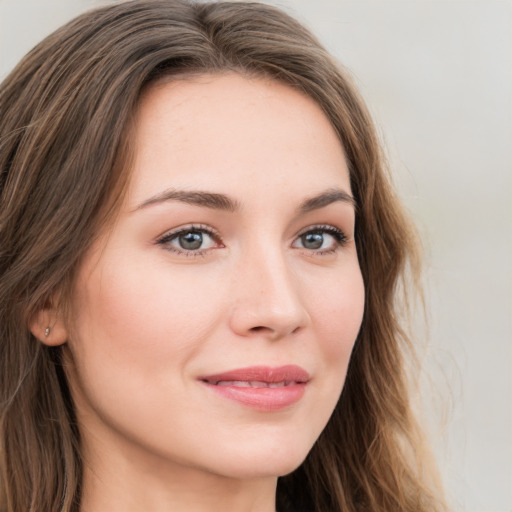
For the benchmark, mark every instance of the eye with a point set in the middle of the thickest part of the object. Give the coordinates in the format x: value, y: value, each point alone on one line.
x: 191, y: 240
x: 321, y: 239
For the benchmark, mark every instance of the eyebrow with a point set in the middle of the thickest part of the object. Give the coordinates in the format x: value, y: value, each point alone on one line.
x: 326, y: 198
x: 223, y: 202
x: 196, y: 198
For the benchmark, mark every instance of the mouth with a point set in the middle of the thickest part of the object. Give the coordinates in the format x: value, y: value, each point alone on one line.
x: 262, y: 388
x: 253, y: 383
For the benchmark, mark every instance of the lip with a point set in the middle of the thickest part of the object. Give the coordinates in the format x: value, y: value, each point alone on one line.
x: 263, y: 388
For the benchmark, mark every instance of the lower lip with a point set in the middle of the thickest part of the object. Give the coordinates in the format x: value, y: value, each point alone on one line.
x: 262, y: 399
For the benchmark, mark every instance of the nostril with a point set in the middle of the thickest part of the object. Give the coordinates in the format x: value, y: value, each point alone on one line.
x: 262, y: 329
x: 263, y: 320
x: 258, y: 328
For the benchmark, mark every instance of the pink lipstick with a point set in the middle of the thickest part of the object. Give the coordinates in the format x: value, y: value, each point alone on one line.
x: 261, y: 387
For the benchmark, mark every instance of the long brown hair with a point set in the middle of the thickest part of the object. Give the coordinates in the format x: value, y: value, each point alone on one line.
x: 65, y: 118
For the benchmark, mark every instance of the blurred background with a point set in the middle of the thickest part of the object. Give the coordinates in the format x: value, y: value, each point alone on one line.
x: 437, y: 76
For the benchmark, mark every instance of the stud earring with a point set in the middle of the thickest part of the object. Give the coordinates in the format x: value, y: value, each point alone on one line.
x: 47, y: 331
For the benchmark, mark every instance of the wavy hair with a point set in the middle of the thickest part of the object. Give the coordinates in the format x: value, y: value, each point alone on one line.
x: 66, y: 114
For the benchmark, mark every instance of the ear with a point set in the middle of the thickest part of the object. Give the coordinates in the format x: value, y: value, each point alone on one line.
x: 48, y: 326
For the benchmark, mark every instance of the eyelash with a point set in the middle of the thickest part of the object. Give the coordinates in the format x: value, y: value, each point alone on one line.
x: 339, y: 237
x: 197, y: 228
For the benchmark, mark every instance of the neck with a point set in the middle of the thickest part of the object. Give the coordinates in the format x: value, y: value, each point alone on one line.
x: 119, y: 481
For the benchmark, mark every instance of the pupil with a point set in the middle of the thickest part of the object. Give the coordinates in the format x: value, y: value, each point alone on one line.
x: 191, y: 241
x: 313, y: 240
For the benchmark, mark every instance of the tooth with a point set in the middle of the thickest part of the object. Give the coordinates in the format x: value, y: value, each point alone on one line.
x: 241, y: 384
x: 254, y: 383
x: 258, y: 384
x: 224, y: 383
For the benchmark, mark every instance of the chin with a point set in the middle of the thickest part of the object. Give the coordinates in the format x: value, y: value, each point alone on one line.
x: 263, y: 461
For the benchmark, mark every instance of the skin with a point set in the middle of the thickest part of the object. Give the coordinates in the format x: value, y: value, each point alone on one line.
x: 151, y: 317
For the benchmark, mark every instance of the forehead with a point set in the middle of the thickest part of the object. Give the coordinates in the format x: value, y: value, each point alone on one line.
x: 232, y: 132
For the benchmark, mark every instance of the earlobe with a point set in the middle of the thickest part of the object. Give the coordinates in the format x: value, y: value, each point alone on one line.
x: 48, y: 327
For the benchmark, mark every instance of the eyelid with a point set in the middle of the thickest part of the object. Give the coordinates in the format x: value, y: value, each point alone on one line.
x: 321, y: 227
x: 164, y: 239
x: 328, y: 228
x: 337, y: 233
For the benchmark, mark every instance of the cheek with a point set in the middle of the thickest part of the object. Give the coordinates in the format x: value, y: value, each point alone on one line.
x: 338, y: 313
x: 135, y: 328
x: 337, y: 320
x: 141, y: 319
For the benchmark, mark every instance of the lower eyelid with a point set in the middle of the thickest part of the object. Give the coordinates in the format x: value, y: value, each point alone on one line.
x: 339, y: 240
x: 166, y: 238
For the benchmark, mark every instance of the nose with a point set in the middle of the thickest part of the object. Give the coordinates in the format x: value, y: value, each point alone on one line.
x: 268, y: 301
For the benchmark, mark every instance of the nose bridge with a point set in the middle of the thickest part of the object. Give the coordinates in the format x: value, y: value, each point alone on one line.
x: 268, y: 299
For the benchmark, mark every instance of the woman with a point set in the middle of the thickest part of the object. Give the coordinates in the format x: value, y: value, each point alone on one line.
x: 199, y: 266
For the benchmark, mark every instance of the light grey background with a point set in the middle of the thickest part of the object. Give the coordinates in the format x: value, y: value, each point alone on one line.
x: 437, y: 76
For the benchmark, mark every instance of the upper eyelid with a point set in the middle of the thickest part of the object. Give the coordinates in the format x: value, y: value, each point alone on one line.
x: 339, y: 235
x: 166, y: 238
x: 216, y: 236
x: 322, y: 227
x: 312, y: 227
x: 212, y: 231
x: 189, y: 227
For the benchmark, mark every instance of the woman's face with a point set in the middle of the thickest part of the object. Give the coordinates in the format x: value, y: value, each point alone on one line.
x: 214, y: 323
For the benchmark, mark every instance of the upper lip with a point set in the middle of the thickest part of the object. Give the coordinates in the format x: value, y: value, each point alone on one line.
x: 269, y: 374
